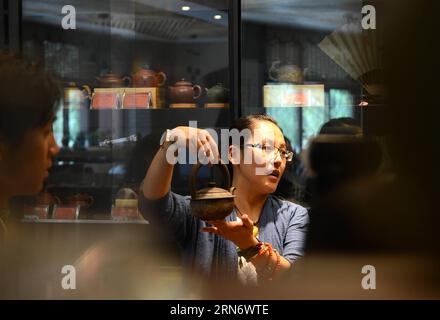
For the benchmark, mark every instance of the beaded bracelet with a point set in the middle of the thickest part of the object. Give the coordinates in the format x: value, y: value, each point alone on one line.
x: 264, y: 272
x: 264, y: 248
x: 267, y: 266
x: 277, y: 265
x: 269, y: 271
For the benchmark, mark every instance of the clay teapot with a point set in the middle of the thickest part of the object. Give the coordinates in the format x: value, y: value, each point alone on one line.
x: 73, y: 96
x: 82, y: 199
x: 286, y: 73
x: 149, y: 78
x: 112, y: 80
x: 217, y: 94
x: 211, y: 203
x: 184, y: 92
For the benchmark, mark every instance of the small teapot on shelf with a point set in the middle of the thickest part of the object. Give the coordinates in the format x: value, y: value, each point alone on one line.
x: 211, y: 203
x: 149, y: 78
x: 286, y: 73
x: 217, y: 94
x: 112, y: 80
x: 184, y: 92
x: 75, y: 97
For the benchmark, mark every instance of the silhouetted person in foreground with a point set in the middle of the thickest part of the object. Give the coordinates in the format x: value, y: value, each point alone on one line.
x: 28, y: 98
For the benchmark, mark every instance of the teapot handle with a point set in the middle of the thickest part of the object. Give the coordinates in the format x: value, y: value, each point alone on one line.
x: 195, y: 171
x: 274, y: 70
x: 127, y: 80
x: 164, y: 78
x: 199, y: 89
x: 86, y: 89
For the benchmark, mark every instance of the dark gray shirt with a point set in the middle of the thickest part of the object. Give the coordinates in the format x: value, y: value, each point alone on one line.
x: 282, y: 223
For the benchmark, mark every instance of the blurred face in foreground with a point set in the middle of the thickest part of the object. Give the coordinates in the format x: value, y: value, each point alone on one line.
x: 24, y: 167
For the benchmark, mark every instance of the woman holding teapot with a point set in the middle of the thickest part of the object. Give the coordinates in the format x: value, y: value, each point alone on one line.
x: 263, y: 235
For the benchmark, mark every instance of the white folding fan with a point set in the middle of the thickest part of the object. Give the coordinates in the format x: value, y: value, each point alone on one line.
x: 359, y: 52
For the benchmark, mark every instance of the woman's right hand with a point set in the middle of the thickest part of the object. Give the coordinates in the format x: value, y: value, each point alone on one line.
x: 195, y: 139
x: 157, y: 182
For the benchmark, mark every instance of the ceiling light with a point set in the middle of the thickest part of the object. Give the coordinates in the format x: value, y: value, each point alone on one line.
x: 217, y: 17
x: 186, y: 8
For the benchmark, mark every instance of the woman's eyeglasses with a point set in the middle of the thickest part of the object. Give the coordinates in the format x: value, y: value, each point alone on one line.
x: 270, y: 150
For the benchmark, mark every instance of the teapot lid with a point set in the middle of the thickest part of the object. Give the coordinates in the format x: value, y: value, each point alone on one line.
x: 111, y: 75
x: 71, y: 84
x: 145, y: 68
x: 183, y: 83
x: 219, y: 85
x: 213, y: 192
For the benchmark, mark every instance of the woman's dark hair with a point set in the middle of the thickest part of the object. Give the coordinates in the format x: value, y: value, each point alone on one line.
x: 247, y: 122
x: 28, y: 97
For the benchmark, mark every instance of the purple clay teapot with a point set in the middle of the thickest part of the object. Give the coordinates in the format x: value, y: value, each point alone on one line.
x: 112, y: 80
x: 149, y: 78
x: 184, y: 92
x: 211, y: 203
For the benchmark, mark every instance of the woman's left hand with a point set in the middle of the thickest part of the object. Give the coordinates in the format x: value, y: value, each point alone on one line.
x: 239, y: 232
